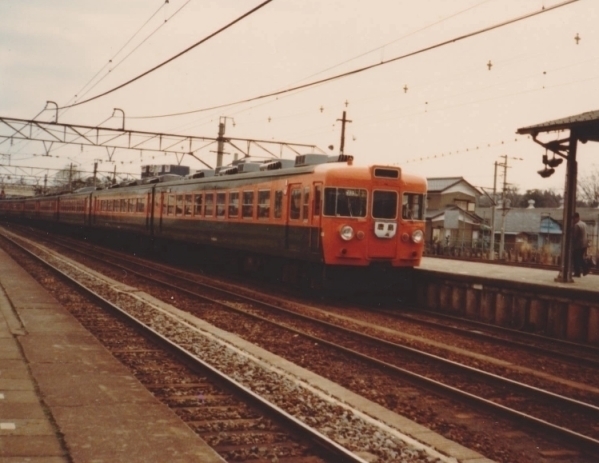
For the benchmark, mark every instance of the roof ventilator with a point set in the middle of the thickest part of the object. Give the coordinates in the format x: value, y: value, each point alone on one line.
x: 278, y: 164
x: 313, y: 159
x: 227, y: 170
x: 248, y: 167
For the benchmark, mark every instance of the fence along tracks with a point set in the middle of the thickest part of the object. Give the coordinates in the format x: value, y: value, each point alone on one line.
x: 330, y: 420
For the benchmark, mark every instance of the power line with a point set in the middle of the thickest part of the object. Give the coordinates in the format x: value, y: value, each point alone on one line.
x: 469, y: 150
x: 245, y: 15
x: 136, y: 48
x: 367, y: 68
x: 400, y: 38
x: 193, y: 124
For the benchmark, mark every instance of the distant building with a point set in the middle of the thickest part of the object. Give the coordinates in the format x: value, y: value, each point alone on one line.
x: 451, y: 219
x: 156, y: 170
x: 11, y: 190
x: 538, y: 229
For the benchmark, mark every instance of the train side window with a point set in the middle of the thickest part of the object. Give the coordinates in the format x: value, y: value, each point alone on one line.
x: 263, y: 204
x: 412, y: 206
x: 317, y: 200
x: 187, y: 206
x: 345, y: 202
x: 132, y: 202
x: 306, y: 203
x: 141, y: 205
x: 234, y: 204
x: 209, y: 205
x: 124, y: 205
x: 220, y: 204
x: 170, y: 205
x: 278, y: 204
x: 247, y: 211
x: 115, y: 205
x: 179, y: 205
x: 197, y: 204
x: 295, y: 204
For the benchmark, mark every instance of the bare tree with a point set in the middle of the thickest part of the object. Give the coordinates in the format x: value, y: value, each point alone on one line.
x: 588, y: 189
x: 542, y: 198
x: 69, y: 177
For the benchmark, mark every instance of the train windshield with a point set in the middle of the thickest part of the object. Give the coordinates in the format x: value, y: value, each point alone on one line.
x: 345, y: 202
x: 384, y: 205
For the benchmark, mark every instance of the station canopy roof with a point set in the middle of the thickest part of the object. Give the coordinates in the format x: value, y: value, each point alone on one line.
x: 585, y: 125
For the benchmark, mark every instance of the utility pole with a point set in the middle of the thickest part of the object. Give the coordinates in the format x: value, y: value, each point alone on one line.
x: 503, y: 208
x: 344, y: 120
x: 221, y: 143
x: 220, y: 150
x: 71, y: 177
x: 492, y: 243
x: 95, y: 173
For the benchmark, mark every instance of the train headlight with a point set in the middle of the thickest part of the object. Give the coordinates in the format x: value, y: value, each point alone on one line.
x: 346, y: 232
x: 417, y: 236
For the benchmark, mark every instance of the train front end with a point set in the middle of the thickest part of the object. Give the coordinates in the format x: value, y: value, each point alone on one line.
x: 373, y: 216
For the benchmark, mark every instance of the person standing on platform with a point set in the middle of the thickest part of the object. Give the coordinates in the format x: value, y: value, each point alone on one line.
x: 579, y: 244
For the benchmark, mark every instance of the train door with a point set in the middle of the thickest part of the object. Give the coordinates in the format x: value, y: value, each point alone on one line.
x: 315, y: 216
x: 88, y: 209
x: 97, y: 210
x: 149, y: 211
x: 160, y: 208
x: 385, y: 223
x: 294, y: 216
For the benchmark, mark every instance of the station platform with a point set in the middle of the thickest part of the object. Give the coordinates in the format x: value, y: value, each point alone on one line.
x: 508, y: 273
x: 65, y: 399
x: 516, y: 297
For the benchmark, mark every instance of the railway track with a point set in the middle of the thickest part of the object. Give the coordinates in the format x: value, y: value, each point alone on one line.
x: 500, y: 397
x: 577, y: 354
x: 234, y: 431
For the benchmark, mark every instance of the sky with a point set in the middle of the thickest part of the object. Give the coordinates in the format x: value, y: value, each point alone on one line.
x: 438, y: 113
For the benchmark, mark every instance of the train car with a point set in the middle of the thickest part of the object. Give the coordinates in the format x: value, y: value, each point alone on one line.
x: 12, y: 208
x: 318, y: 214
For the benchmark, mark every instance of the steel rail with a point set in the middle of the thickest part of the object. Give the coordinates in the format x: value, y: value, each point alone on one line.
x: 579, y: 439
x: 574, y: 358
x: 330, y: 446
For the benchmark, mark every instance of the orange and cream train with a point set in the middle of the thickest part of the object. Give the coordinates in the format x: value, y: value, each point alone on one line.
x: 304, y: 217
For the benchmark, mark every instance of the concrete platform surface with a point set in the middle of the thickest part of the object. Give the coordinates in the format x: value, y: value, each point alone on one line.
x: 65, y: 398
x: 524, y: 275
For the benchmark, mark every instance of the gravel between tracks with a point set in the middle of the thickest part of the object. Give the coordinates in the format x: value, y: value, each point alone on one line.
x: 372, y: 440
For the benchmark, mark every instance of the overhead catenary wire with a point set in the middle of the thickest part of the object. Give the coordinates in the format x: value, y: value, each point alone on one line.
x: 380, y: 47
x: 222, y: 29
x: 366, y: 68
x: 453, y: 15
x: 137, y: 47
x: 120, y: 49
x: 109, y: 62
